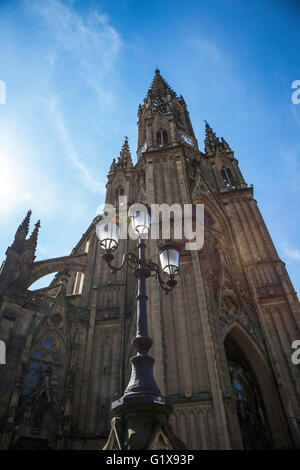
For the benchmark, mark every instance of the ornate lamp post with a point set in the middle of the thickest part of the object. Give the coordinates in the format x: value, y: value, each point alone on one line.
x: 142, y: 406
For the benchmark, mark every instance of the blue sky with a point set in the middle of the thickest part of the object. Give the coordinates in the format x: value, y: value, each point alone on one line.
x: 75, y: 72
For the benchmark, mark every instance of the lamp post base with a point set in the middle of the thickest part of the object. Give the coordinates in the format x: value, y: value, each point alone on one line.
x: 142, y: 381
x: 139, y: 423
x: 140, y: 416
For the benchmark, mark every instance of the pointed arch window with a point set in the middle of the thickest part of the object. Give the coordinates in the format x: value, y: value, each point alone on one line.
x: 161, y: 137
x: 249, y: 402
x: 165, y: 137
x: 118, y: 193
x: 46, y: 358
x: 227, y: 177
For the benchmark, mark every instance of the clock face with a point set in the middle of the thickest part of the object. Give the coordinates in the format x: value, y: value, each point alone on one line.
x: 187, y: 140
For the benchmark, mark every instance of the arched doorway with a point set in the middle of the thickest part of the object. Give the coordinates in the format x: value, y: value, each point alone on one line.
x: 250, y: 406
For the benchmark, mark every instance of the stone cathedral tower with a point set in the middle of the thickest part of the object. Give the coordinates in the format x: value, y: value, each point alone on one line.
x: 222, y: 339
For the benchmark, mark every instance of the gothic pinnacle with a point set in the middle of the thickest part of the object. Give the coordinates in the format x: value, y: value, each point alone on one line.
x: 208, y: 129
x: 212, y: 142
x: 24, y: 226
x: 32, y: 241
x: 125, y: 146
x: 125, y: 160
x: 21, y: 233
x: 112, y: 166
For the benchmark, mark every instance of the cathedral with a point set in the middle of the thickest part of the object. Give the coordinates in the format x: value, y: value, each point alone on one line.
x: 221, y: 340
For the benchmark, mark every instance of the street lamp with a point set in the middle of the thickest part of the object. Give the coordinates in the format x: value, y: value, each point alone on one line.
x: 142, y: 388
x: 141, y: 222
x: 108, y: 233
x: 169, y: 260
x: 109, y: 236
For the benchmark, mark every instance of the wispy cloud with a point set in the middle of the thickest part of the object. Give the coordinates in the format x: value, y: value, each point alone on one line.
x: 209, y: 48
x: 86, y: 39
x: 90, y: 40
x: 293, y: 253
x: 68, y: 147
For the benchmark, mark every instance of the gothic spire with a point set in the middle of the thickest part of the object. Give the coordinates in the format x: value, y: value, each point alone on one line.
x: 21, y: 233
x: 159, y: 87
x: 163, y: 119
x: 212, y: 142
x: 24, y: 226
x: 32, y: 241
x: 125, y: 160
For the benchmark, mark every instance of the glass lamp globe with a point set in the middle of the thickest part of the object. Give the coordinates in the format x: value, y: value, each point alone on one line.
x: 141, y: 222
x: 169, y: 258
x: 108, y: 234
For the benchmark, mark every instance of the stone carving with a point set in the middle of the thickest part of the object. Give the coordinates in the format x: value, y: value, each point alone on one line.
x: 56, y: 319
x: 230, y: 311
x: 270, y: 290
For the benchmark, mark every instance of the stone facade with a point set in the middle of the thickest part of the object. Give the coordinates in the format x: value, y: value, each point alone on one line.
x: 222, y: 339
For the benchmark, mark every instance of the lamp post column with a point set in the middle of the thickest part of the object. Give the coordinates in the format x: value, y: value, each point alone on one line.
x: 140, y: 416
x: 142, y: 342
x: 142, y: 383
